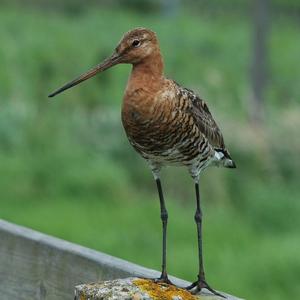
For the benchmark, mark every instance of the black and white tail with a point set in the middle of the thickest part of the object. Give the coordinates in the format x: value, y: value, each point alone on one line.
x: 224, y: 158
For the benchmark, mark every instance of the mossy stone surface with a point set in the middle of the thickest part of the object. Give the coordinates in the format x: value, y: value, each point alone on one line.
x: 138, y: 289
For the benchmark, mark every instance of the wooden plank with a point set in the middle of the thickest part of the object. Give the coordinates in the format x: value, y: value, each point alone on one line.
x: 38, y: 266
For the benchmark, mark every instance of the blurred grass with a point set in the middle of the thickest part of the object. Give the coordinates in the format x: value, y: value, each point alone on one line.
x: 67, y: 169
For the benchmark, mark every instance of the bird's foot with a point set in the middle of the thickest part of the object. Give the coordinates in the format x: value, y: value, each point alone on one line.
x: 200, y: 284
x: 163, y: 279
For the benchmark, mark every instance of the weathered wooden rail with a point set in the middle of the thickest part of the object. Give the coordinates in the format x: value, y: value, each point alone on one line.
x: 37, y: 266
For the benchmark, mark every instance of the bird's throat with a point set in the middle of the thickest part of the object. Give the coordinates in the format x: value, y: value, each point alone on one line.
x: 147, y: 74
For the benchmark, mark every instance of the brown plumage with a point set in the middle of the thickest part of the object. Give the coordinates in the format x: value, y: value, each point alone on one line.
x: 166, y: 123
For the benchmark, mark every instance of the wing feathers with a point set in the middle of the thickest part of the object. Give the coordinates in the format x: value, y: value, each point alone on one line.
x: 203, y: 118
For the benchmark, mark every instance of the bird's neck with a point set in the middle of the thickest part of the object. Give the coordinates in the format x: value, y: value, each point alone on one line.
x: 147, y: 74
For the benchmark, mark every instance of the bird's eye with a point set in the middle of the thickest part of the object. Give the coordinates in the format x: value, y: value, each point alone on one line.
x: 136, y: 43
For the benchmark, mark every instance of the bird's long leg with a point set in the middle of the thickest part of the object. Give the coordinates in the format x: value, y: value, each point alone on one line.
x: 164, y: 219
x: 201, y: 282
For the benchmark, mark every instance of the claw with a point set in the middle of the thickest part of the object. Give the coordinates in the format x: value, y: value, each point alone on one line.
x: 202, y: 284
x: 163, y: 279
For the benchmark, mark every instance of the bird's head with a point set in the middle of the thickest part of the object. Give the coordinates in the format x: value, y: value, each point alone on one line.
x: 135, y: 46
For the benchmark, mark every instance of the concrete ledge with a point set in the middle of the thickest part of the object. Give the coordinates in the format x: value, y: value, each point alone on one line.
x: 38, y: 266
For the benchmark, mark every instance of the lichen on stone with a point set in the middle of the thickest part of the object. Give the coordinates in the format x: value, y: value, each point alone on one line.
x: 162, y: 291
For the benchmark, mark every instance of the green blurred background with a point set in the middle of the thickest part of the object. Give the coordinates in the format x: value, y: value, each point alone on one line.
x: 68, y: 170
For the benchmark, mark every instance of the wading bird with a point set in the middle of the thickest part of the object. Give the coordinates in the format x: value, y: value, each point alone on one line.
x: 166, y: 123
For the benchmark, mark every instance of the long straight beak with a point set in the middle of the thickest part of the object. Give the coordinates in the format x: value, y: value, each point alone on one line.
x: 107, y: 63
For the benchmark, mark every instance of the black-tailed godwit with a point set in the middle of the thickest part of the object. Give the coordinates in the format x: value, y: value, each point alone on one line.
x: 166, y: 123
